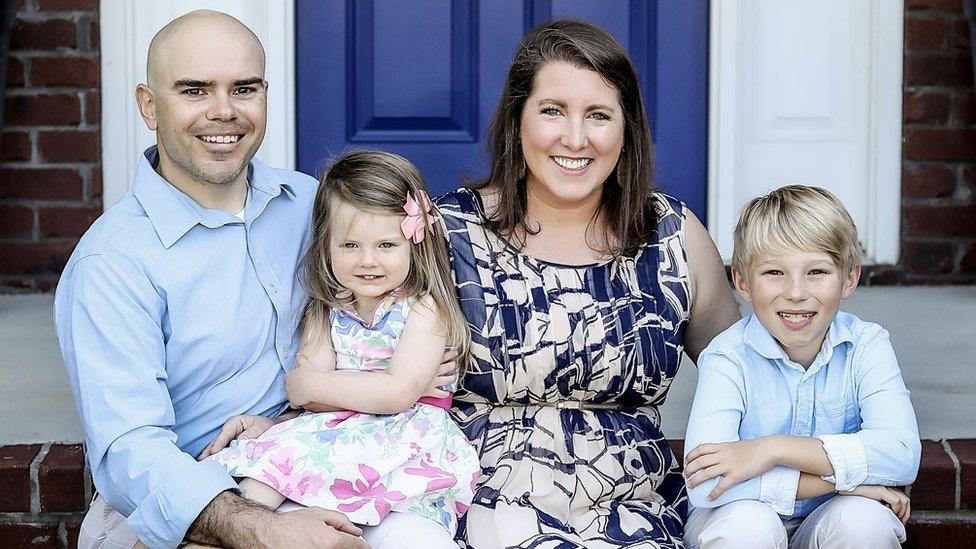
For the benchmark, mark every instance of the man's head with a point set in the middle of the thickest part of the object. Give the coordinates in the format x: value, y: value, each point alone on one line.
x: 795, y: 256
x: 206, y: 98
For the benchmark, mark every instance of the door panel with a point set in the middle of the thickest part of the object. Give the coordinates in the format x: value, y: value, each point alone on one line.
x: 422, y: 78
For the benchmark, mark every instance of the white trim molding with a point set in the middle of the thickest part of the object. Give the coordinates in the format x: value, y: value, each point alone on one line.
x: 127, y: 27
x: 880, y: 226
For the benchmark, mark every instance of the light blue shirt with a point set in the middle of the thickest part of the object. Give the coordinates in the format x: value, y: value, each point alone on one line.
x: 171, y: 318
x: 852, y: 398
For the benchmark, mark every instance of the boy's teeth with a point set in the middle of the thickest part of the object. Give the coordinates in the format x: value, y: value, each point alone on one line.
x: 571, y: 163
x: 796, y: 317
x: 220, y: 138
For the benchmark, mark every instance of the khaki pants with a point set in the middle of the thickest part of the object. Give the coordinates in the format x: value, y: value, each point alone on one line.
x: 106, y: 528
x: 843, y: 522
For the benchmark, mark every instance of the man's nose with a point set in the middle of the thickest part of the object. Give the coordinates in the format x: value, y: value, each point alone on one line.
x: 222, y: 107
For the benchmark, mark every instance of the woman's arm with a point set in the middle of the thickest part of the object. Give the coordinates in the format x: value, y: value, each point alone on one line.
x: 713, y: 309
x: 414, y: 364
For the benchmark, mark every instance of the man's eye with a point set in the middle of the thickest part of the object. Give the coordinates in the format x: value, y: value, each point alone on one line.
x: 244, y: 90
x: 195, y: 92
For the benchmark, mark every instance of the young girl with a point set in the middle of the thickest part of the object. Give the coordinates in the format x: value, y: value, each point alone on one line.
x: 381, y: 302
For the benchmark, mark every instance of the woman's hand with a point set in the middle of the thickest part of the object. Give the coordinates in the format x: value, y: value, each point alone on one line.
x: 243, y: 427
x: 896, y: 499
x: 736, y: 461
x: 445, y: 382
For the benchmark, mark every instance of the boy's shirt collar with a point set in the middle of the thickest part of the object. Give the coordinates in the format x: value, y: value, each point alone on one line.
x: 758, y: 338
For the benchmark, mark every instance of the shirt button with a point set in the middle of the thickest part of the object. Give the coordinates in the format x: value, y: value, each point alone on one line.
x: 286, y: 353
x: 274, y: 289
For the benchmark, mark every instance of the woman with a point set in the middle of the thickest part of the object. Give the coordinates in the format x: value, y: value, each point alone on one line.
x: 582, y: 286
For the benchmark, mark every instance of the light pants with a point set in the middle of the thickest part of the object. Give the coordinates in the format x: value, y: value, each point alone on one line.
x: 840, y: 523
x: 106, y: 528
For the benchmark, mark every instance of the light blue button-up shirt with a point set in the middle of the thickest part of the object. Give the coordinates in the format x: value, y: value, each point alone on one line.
x: 171, y: 318
x: 852, y: 398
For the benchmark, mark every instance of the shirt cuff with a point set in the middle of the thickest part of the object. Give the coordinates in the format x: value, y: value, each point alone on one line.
x: 163, y: 517
x: 777, y: 488
x: 848, y: 458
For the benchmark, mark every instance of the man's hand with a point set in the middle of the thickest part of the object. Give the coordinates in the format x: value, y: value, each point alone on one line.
x: 231, y: 521
x: 447, y: 376
x: 736, y: 461
x: 896, y: 499
x: 243, y: 427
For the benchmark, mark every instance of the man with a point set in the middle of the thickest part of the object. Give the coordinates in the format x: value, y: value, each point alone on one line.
x: 180, y: 306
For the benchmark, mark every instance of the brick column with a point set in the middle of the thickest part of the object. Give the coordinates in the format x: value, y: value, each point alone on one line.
x: 938, y: 240
x: 50, y: 172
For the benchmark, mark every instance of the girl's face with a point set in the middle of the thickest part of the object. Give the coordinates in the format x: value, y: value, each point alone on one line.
x: 572, y: 134
x: 369, y: 254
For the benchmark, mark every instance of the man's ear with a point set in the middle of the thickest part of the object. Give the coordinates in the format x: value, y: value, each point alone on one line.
x: 146, y: 101
x: 850, y: 283
x: 741, y: 285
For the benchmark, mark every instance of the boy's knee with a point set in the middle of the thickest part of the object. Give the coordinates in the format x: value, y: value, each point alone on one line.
x: 746, y: 524
x: 860, y: 522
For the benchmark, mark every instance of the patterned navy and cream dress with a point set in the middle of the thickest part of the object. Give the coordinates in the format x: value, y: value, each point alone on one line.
x: 568, y: 367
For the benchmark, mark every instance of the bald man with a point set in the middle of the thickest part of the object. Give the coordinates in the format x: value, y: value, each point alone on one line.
x: 180, y: 306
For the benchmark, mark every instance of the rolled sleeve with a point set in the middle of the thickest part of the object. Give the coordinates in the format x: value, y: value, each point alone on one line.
x: 107, y: 316
x: 777, y: 488
x: 848, y: 458
x: 163, y: 517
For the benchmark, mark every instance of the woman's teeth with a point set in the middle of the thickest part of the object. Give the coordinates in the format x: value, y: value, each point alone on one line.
x: 571, y: 163
x: 220, y: 138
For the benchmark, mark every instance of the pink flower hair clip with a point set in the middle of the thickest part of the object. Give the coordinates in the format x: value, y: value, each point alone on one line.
x: 419, y: 217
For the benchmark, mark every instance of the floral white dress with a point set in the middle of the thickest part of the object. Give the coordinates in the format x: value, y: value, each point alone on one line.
x: 366, y: 465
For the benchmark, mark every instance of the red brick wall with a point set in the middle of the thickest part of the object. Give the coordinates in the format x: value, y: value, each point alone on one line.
x: 50, y: 170
x: 938, y: 234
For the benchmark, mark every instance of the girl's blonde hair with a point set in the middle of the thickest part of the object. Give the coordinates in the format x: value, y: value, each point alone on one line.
x: 377, y: 182
x: 795, y: 217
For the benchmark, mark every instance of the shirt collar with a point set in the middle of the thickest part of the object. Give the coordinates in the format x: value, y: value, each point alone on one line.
x: 760, y: 340
x: 173, y: 213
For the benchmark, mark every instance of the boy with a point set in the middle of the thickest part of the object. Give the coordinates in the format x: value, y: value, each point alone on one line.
x: 799, y: 408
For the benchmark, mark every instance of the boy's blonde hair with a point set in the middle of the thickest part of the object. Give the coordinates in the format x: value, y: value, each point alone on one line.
x: 795, y: 217
x: 377, y: 182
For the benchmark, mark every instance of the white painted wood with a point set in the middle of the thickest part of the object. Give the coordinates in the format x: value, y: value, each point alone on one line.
x: 807, y: 92
x: 128, y: 27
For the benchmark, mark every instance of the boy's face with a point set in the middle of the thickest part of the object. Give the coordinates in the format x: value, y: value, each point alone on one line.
x: 796, y: 296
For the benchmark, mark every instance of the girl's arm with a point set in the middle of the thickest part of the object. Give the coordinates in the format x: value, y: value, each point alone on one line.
x: 414, y: 364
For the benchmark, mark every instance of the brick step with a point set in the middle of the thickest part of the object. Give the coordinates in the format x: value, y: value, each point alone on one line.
x: 45, y: 490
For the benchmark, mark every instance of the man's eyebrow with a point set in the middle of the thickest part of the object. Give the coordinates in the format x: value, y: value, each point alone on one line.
x: 191, y: 83
x: 249, y: 81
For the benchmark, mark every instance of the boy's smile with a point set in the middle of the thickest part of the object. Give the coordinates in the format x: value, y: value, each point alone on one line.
x: 796, y: 295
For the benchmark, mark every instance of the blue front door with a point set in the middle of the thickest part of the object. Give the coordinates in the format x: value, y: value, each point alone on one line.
x: 422, y: 78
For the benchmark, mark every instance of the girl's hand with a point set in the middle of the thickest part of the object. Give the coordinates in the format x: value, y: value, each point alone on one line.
x: 243, y: 427
x: 296, y: 381
x: 896, y: 499
x: 736, y: 461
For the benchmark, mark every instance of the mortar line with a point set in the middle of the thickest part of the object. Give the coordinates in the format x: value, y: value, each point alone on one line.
x: 35, y: 484
x: 958, y: 467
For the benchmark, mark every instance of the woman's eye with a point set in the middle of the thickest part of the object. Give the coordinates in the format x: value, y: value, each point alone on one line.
x: 600, y: 116
x: 347, y: 245
x: 550, y: 111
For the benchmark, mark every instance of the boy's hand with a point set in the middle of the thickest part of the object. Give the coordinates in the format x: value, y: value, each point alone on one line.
x: 736, y: 461
x: 896, y: 499
x: 243, y: 427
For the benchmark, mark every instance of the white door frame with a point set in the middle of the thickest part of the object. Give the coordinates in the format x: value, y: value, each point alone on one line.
x: 126, y: 29
x: 881, y: 231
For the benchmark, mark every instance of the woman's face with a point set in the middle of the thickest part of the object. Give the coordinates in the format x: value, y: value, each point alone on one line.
x: 572, y: 131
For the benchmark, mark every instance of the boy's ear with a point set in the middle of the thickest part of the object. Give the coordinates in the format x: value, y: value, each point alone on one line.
x: 741, y: 285
x: 850, y: 283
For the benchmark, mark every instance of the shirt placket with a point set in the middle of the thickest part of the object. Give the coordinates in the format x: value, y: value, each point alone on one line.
x: 275, y: 291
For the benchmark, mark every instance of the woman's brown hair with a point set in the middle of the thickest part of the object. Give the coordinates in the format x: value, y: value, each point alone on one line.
x: 627, y: 206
